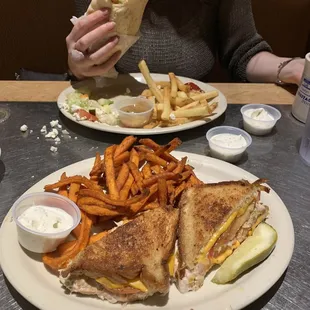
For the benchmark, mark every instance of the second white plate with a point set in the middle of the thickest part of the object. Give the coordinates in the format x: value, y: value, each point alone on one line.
x: 116, y: 90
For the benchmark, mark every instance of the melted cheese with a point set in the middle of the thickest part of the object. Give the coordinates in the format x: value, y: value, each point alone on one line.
x: 109, y: 284
x: 171, y: 263
x: 203, y: 253
x: 228, y: 252
x: 138, y: 285
x: 112, y: 285
x: 242, y: 210
x: 258, y: 221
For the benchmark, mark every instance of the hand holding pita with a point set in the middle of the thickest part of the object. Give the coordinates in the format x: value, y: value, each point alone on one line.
x: 88, y: 32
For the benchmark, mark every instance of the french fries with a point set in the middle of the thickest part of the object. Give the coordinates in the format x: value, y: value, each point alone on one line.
x: 96, y: 172
x: 122, y: 176
x: 69, y: 180
x: 167, y: 107
x: 76, y: 231
x: 173, y: 85
x: 182, y: 87
x: 124, y: 146
x: 207, y: 95
x: 195, y: 112
x: 63, y: 189
x: 150, y: 82
x: 146, y: 171
x: 55, y: 261
x: 73, y: 192
x: 97, y: 237
x: 119, y: 160
x: 134, y: 177
x: 154, y: 159
x: 110, y: 172
x: 124, y: 193
x: 162, y: 193
x: 171, y: 96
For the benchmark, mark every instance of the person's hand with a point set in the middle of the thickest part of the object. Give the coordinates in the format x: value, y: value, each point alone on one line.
x: 90, y: 30
x: 292, y: 72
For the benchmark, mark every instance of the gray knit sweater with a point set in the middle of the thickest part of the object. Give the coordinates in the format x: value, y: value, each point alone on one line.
x: 186, y: 37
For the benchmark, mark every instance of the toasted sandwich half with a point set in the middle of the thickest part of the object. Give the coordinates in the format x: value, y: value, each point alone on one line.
x: 214, y: 220
x: 128, y: 264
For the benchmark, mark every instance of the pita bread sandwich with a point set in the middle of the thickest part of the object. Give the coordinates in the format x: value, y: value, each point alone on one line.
x: 127, y: 14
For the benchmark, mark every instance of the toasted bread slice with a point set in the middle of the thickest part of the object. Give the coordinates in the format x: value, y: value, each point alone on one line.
x: 138, y: 251
x: 207, y: 211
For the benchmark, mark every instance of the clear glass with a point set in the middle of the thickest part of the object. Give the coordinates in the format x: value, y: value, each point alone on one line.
x: 304, y: 150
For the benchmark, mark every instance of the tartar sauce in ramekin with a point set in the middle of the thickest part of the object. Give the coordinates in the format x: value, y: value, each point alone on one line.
x: 259, y: 114
x: 229, y: 140
x: 45, y: 219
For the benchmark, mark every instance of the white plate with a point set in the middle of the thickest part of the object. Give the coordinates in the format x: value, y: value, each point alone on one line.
x: 28, y: 275
x: 113, y: 89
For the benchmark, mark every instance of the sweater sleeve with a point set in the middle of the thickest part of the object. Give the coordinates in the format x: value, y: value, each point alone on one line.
x: 239, y: 40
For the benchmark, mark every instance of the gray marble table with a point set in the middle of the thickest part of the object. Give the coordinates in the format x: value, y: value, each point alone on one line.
x: 26, y: 159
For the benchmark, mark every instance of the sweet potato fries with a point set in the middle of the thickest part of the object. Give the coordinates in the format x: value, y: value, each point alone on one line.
x: 130, y: 178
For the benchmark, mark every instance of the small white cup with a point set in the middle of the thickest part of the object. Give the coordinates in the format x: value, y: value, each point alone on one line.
x: 229, y: 154
x: 259, y: 127
x: 39, y: 242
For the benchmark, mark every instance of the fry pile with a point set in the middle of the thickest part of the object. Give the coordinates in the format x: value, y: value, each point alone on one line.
x: 131, y: 178
x: 176, y: 103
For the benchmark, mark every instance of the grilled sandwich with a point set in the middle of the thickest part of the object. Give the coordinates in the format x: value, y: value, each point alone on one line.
x: 214, y: 220
x: 128, y: 264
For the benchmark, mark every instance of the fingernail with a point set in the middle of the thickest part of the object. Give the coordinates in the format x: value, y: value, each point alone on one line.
x: 105, y: 11
x: 111, y: 25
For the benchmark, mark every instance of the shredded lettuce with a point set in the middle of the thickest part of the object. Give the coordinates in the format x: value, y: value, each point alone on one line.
x: 77, y: 99
x: 80, y: 100
x: 107, y: 109
x: 104, y: 102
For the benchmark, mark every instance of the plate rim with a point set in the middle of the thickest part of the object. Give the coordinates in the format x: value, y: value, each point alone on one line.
x: 137, y: 131
x: 246, y: 301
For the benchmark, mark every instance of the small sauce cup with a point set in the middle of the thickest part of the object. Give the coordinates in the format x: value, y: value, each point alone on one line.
x: 259, y: 127
x: 129, y: 116
x: 229, y: 154
x: 40, y: 242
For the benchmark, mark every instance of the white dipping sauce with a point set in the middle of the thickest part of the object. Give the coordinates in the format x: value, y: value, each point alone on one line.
x: 227, y: 146
x: 258, y: 121
x: 259, y: 114
x: 45, y: 219
x: 229, y: 140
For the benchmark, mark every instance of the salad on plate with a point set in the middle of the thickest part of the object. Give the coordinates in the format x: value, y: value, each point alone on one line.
x: 80, y: 105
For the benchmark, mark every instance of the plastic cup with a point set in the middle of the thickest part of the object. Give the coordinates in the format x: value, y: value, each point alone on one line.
x: 40, y: 242
x: 259, y: 127
x: 229, y: 154
x: 134, y: 120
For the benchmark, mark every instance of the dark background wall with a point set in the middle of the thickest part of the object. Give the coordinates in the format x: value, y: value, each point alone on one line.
x: 32, y: 32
